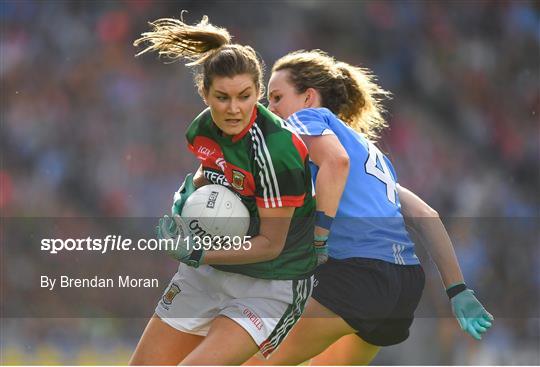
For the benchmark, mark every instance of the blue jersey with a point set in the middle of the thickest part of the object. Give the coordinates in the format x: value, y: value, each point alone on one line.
x: 368, y: 220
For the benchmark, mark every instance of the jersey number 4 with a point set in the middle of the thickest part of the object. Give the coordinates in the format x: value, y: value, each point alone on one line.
x: 376, y: 166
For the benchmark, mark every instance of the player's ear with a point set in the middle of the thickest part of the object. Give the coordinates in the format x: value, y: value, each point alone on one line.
x: 312, y: 98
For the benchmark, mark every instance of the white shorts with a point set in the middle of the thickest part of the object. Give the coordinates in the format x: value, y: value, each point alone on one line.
x: 266, y: 309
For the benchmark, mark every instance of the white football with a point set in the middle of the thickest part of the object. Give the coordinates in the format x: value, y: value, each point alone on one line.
x: 214, y: 210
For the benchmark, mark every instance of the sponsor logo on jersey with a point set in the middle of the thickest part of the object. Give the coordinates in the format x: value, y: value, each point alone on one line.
x: 238, y: 179
x: 205, y: 151
x: 220, y: 162
x: 253, y: 317
x: 170, y: 294
x: 216, y: 178
x: 212, y: 199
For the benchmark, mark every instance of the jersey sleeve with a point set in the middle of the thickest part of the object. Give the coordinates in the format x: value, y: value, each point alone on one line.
x: 282, y: 176
x: 310, y: 121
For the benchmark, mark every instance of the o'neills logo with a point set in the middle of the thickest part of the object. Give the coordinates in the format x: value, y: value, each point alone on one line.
x: 196, y: 229
x: 252, y: 316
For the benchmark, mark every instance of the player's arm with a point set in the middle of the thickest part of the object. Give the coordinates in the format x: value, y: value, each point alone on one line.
x: 469, y: 312
x: 434, y: 238
x: 267, y: 245
x: 333, y: 161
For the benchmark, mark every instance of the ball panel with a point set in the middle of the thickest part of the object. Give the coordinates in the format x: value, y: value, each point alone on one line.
x: 217, y: 211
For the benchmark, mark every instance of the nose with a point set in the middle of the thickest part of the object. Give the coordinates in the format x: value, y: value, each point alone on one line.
x: 234, y: 107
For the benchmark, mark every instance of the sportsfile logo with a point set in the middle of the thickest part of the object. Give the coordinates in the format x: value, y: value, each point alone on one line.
x: 212, y: 199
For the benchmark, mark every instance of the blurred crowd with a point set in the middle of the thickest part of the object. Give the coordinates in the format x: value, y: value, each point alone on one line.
x: 89, y: 130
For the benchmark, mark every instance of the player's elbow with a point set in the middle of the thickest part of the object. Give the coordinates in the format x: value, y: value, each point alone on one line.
x: 339, y: 164
x: 343, y: 162
x: 274, y: 253
x: 272, y: 249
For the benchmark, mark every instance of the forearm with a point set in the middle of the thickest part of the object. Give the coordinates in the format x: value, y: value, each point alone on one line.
x: 329, y: 186
x: 255, y: 249
x: 267, y: 245
x: 432, y: 235
x: 435, y: 240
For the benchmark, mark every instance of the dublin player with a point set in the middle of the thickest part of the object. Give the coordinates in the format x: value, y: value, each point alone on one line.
x: 222, y: 307
x: 366, y: 294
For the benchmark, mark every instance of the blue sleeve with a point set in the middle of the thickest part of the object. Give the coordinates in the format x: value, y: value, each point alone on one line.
x: 310, y: 121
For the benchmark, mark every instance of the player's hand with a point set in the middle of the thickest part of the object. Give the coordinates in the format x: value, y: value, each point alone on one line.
x: 321, y: 249
x: 183, y: 242
x: 470, y: 314
x: 182, y: 194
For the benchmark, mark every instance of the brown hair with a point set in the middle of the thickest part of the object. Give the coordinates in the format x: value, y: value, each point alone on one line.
x: 349, y: 92
x: 207, y: 47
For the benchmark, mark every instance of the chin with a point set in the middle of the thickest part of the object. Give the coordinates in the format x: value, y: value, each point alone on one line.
x: 230, y: 132
x: 233, y: 130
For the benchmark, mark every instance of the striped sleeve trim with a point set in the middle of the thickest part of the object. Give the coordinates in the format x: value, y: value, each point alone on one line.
x: 295, y: 201
x: 299, y: 127
x: 308, y: 122
x: 268, y: 179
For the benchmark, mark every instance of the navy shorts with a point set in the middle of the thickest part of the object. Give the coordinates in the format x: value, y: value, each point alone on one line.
x: 374, y: 297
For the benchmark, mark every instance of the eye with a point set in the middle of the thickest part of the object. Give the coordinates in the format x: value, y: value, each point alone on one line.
x: 222, y: 98
x: 276, y: 99
x: 246, y: 97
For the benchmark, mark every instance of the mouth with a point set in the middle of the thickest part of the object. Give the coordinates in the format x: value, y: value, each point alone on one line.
x: 233, y: 122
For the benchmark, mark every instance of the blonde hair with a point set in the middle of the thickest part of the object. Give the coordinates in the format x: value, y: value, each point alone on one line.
x: 350, y: 92
x: 207, y: 48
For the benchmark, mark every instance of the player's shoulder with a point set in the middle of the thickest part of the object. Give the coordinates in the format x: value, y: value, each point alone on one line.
x: 200, y: 125
x: 276, y: 137
x: 268, y: 121
x: 269, y: 126
x: 312, y: 121
x: 313, y: 114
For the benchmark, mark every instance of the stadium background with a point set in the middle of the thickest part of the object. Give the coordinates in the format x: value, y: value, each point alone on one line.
x: 87, y: 130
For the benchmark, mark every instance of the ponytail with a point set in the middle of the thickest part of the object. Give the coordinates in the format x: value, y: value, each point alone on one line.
x: 207, y: 48
x: 350, y: 92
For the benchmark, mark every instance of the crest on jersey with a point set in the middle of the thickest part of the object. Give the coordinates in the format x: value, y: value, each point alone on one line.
x: 170, y: 294
x: 238, y: 180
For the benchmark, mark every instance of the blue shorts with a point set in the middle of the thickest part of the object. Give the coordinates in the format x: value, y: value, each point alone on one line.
x: 374, y: 297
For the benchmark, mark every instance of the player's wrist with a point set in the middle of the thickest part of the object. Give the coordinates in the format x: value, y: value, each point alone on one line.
x: 455, y: 289
x: 195, y: 258
x: 322, y: 220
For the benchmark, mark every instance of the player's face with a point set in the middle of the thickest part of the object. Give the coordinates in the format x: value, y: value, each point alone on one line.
x: 231, y: 102
x: 283, y: 99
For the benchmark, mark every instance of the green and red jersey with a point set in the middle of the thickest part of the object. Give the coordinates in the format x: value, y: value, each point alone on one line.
x: 267, y: 165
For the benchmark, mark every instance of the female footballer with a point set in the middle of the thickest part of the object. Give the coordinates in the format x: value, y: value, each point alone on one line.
x: 366, y: 294
x: 222, y: 307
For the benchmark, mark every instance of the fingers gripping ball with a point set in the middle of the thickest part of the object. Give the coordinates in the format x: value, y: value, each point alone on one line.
x: 214, y: 210
x: 180, y: 196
